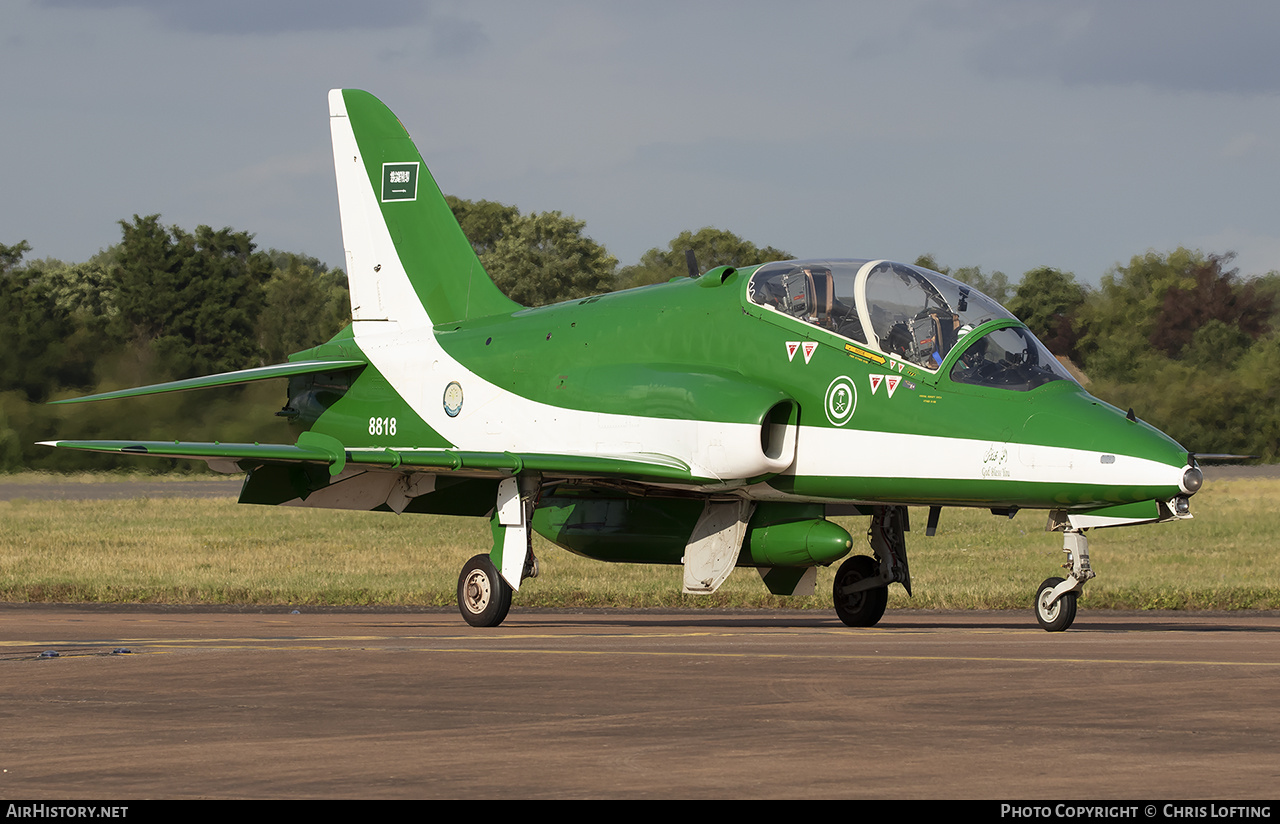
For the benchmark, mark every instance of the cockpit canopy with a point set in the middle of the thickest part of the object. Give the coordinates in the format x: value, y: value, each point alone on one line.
x: 912, y: 313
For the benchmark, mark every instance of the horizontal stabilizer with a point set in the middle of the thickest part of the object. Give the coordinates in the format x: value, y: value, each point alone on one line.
x: 279, y: 370
x: 265, y: 452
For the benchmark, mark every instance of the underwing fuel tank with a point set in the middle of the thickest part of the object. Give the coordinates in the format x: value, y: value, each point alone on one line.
x: 795, y: 543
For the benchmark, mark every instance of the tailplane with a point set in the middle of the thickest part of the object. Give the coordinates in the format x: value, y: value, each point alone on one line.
x: 408, y: 262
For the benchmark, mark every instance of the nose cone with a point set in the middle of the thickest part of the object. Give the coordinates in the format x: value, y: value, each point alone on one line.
x: 1102, y: 455
x: 1192, y: 480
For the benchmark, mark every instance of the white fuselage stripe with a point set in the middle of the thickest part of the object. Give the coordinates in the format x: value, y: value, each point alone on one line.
x: 824, y: 451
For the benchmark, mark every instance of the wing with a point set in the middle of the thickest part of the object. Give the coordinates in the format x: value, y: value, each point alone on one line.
x: 321, y: 450
x: 319, y: 471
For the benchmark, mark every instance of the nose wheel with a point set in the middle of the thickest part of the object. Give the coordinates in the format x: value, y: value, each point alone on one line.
x: 1054, y: 616
x: 1055, y: 604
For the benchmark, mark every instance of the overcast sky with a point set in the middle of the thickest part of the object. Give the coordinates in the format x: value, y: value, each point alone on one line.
x: 1006, y: 134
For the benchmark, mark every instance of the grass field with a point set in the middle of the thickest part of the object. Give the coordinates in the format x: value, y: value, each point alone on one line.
x: 192, y: 551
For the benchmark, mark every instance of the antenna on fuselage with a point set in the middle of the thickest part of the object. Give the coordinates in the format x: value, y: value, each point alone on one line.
x: 691, y: 260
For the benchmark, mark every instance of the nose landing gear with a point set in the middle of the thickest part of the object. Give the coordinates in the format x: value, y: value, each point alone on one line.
x: 1054, y: 615
x: 1055, y: 604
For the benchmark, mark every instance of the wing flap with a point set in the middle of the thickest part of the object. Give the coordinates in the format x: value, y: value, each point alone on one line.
x: 645, y: 465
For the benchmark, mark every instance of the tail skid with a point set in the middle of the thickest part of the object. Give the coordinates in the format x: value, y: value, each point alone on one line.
x: 408, y: 263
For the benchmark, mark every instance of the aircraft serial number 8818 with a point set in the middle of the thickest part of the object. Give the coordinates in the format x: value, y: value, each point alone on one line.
x: 714, y: 421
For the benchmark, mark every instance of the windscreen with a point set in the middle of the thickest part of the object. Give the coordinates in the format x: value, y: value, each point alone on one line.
x: 1009, y: 358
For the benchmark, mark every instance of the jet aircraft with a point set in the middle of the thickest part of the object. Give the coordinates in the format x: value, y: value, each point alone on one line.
x: 715, y: 421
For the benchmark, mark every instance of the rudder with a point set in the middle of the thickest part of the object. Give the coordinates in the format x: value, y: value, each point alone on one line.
x: 408, y: 262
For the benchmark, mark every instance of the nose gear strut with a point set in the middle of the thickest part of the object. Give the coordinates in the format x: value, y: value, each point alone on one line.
x: 1056, y: 598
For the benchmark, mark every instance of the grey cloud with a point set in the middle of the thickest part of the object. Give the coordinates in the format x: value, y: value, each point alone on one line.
x: 1166, y: 45
x: 258, y: 17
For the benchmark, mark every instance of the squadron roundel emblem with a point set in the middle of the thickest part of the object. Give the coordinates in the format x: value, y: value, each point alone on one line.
x: 453, y: 399
x: 841, y: 400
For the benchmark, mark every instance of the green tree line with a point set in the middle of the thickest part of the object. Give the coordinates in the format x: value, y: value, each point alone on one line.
x: 1181, y: 337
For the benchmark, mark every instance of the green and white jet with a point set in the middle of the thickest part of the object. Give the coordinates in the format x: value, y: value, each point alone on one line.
x: 715, y: 421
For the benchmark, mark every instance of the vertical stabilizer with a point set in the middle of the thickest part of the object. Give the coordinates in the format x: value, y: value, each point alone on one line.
x: 408, y: 262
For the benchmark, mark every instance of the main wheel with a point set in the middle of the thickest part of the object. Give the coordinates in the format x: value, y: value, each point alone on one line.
x: 483, y: 597
x: 859, y: 609
x: 1061, y: 614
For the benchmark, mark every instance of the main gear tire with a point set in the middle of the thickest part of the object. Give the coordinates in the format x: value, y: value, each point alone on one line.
x: 866, y: 607
x: 483, y: 597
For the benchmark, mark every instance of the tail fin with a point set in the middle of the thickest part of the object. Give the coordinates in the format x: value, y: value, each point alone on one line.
x: 408, y: 262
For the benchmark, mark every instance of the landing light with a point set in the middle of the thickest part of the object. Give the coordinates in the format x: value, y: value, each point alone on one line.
x: 1181, y: 505
x: 1192, y: 479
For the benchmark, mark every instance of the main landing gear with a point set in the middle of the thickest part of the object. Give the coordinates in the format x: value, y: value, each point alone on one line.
x: 487, y: 581
x: 1055, y: 604
x: 854, y: 606
x: 483, y: 597
x: 860, y: 591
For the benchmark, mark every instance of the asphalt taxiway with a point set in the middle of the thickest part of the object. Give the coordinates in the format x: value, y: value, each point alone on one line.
x: 692, y: 704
